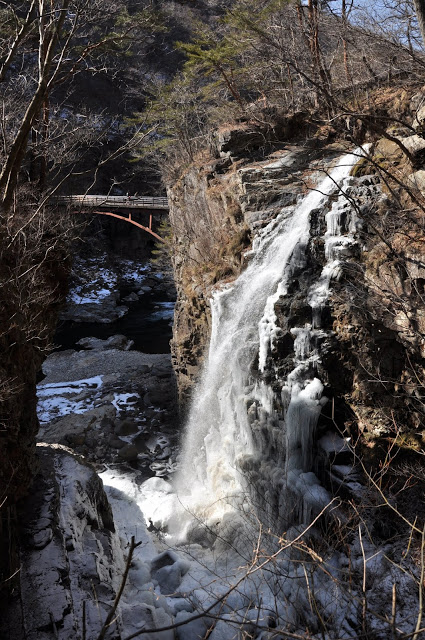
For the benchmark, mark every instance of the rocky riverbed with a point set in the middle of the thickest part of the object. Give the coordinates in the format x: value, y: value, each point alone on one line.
x: 103, y: 407
x: 111, y: 295
x: 110, y: 405
x: 106, y: 400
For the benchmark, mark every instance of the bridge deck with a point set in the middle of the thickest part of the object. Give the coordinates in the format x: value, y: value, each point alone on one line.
x: 116, y: 202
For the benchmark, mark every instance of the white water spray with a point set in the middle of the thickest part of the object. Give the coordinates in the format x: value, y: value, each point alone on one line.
x: 219, y: 442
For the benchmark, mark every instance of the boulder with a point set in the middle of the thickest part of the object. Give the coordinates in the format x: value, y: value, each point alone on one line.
x: 96, y: 307
x: 126, y: 427
x: 68, y: 547
x: 168, y: 569
x: 419, y: 119
x: 150, y: 282
x: 144, y: 289
x: 233, y: 141
x: 159, y: 397
x: 118, y: 341
x: 116, y: 443
x: 71, y: 429
x: 144, y: 369
x: 104, y: 313
x: 128, y: 452
x: 415, y: 144
x: 162, y: 372
x: 416, y: 180
x: 132, y: 297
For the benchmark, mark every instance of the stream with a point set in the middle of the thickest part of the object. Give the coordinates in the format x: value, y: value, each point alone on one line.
x: 147, y: 324
x: 148, y: 321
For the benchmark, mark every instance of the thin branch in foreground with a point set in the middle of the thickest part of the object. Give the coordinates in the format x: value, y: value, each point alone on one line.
x: 110, y: 618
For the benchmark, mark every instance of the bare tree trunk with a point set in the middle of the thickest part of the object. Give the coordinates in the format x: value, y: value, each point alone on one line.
x: 420, y: 13
x: 316, y: 49
x: 307, y: 39
x: 12, y: 166
x: 18, y: 39
x: 344, y: 40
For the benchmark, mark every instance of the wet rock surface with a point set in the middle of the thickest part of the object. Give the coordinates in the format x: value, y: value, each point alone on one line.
x: 70, y: 557
x: 110, y: 405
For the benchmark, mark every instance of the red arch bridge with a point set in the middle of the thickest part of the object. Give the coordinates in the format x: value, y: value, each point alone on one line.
x: 99, y: 205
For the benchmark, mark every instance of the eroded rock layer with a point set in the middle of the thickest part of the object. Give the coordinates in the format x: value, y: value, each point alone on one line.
x: 363, y: 337
x: 69, y: 555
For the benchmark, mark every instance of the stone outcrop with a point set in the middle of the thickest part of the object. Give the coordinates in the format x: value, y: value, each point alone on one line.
x: 372, y: 364
x: 69, y: 555
x: 237, y: 140
x: 241, y: 139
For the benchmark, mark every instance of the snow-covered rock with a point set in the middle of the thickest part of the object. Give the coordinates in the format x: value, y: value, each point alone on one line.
x: 70, y: 556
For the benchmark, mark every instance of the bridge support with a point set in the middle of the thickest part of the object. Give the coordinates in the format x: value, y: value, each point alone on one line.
x: 131, y: 221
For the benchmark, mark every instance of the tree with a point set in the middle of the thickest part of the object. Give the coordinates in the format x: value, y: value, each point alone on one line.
x: 50, y: 21
x: 45, y: 47
x: 420, y: 14
x: 208, y: 56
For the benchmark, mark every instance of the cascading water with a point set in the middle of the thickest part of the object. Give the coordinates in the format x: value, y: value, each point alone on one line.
x: 249, y: 446
x: 232, y: 421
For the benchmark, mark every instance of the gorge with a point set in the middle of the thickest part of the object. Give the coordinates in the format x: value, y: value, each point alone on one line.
x: 261, y: 457
x: 262, y: 475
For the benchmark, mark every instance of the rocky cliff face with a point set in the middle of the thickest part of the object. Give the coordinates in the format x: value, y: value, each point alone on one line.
x: 68, y: 553
x: 216, y: 207
x: 371, y: 336
x: 33, y: 274
x: 209, y: 236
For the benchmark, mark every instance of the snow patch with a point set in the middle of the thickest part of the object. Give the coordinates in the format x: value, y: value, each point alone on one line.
x: 121, y: 401
x: 54, y: 403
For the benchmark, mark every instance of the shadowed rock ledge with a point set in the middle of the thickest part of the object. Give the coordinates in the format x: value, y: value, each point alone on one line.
x: 70, y: 555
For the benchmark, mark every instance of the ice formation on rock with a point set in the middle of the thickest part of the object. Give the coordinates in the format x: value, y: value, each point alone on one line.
x: 232, y: 422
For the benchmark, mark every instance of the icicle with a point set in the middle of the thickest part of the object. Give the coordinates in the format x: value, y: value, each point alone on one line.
x: 219, y: 439
x: 302, y: 344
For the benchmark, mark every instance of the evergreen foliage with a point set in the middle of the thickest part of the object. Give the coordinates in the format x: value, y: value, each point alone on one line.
x: 260, y: 61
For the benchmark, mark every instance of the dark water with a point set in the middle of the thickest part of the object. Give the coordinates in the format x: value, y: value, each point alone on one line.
x: 144, y: 324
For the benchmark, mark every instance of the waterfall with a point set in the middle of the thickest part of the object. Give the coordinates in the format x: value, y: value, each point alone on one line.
x: 238, y: 450
x: 249, y: 447
x: 219, y: 445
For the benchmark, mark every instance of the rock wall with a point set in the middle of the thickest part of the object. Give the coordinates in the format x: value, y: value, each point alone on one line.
x: 207, y: 223
x: 69, y: 557
x: 33, y: 278
x: 372, y: 359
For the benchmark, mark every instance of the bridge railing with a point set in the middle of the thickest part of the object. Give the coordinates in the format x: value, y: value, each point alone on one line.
x: 125, y: 202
